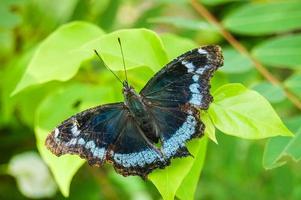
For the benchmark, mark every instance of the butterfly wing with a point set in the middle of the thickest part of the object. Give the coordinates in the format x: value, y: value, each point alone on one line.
x: 176, y: 93
x: 106, y: 133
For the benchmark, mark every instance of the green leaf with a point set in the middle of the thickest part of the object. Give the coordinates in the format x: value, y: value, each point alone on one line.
x: 57, y: 57
x: 235, y: 62
x: 280, y: 52
x: 56, y: 11
x: 169, y: 180
x: 141, y: 47
x: 7, y: 43
x: 55, y: 109
x: 272, y: 93
x: 265, y: 18
x: 294, y: 83
x: 176, y: 45
x: 188, y: 187
x: 209, y: 126
x: 278, y: 149
x: 244, y: 113
x: 294, y: 123
x: 184, y: 23
x: 9, y: 80
x: 8, y: 19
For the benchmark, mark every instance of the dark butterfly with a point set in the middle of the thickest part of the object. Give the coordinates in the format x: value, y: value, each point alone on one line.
x: 148, y: 129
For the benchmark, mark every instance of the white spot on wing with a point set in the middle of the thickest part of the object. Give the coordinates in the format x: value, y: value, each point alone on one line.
x: 195, y: 78
x: 74, y: 130
x: 194, y: 88
x: 202, y: 70
x: 190, y: 67
x: 196, y: 99
x: 99, y: 152
x: 81, y: 141
x: 202, y: 51
x: 90, y: 145
x: 56, y: 132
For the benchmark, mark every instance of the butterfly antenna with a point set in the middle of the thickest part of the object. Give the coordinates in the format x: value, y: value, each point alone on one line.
x: 126, y: 76
x: 107, y: 66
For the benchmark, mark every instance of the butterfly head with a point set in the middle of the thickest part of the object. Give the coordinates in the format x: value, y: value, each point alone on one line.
x: 128, y: 90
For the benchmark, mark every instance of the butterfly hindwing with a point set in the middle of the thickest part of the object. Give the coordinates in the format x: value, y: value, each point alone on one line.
x: 133, y: 154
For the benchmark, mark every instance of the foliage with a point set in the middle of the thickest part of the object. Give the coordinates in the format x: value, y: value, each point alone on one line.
x: 50, y: 73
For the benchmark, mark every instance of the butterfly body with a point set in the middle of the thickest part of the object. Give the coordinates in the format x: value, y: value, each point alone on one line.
x: 138, y: 109
x: 149, y: 128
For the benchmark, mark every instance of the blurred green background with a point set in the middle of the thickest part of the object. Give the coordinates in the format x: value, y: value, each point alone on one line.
x: 233, y: 168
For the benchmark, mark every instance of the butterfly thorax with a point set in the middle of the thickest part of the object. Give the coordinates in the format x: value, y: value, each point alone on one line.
x: 139, y: 111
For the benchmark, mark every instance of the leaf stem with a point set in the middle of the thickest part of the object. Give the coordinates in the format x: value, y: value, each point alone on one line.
x: 204, y: 12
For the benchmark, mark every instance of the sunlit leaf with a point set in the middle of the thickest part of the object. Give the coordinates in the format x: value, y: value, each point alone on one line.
x: 176, y: 45
x: 188, y: 186
x: 280, y: 51
x: 209, y: 126
x: 54, y: 109
x: 141, y: 47
x: 57, y: 57
x: 264, y: 18
x: 244, y: 113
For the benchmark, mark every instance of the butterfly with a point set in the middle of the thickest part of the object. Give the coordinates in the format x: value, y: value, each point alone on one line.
x: 149, y: 128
